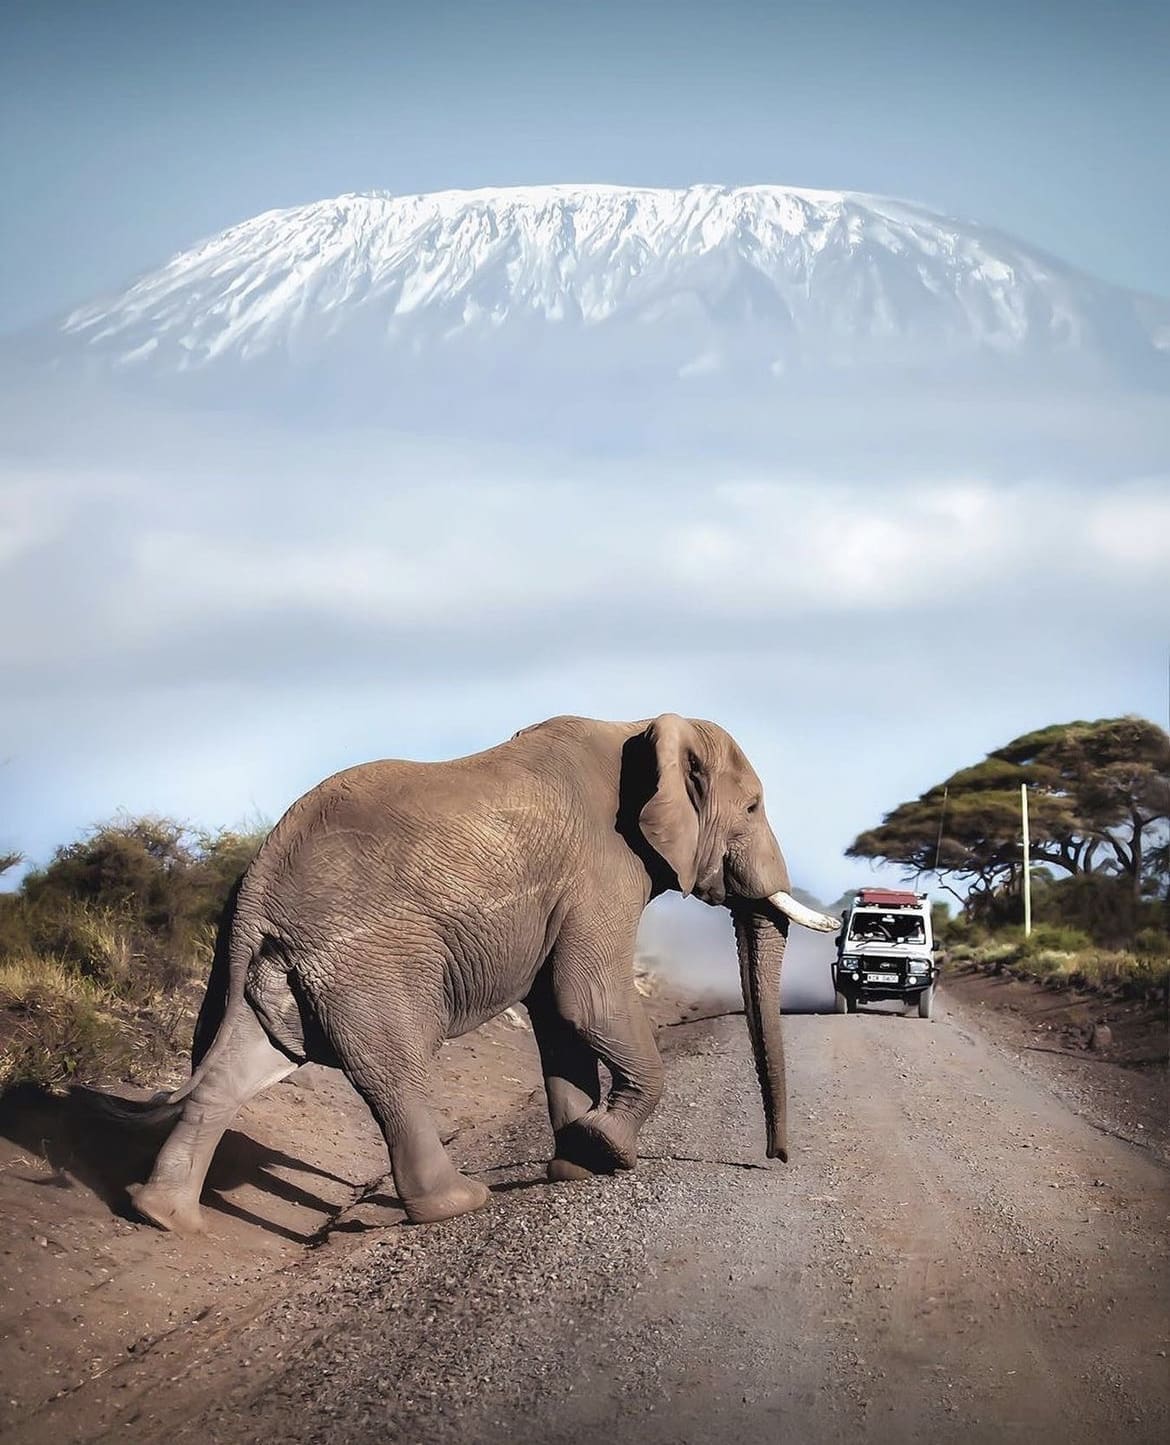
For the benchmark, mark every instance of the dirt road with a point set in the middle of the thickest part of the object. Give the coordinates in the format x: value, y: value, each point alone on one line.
x: 952, y: 1255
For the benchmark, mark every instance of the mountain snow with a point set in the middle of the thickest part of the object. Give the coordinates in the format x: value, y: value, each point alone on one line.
x: 689, y: 282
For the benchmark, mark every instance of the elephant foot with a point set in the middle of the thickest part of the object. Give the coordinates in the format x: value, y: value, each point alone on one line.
x: 598, y: 1143
x: 460, y: 1197
x: 561, y: 1171
x: 160, y: 1205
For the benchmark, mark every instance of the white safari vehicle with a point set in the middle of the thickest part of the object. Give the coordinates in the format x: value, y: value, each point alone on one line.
x: 885, y: 950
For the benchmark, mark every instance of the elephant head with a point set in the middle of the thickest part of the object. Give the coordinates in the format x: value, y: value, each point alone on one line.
x: 706, y: 821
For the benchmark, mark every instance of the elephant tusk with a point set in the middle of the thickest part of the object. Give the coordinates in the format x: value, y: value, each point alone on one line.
x: 806, y: 917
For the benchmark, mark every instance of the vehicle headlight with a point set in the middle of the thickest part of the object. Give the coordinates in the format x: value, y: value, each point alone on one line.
x: 918, y: 965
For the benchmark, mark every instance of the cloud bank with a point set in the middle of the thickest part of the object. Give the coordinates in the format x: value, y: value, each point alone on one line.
x: 205, y: 618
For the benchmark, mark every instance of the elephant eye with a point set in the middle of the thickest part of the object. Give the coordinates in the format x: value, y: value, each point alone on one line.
x: 751, y: 807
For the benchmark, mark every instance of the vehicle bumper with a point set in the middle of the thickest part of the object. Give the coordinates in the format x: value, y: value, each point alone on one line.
x: 865, y: 986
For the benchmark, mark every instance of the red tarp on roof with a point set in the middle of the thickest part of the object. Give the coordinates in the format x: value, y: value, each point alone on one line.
x: 885, y: 898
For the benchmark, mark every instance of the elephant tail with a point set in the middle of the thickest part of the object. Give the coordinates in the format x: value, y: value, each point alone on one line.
x: 236, y: 942
x: 214, y: 1008
x: 221, y: 1004
x: 144, y: 1114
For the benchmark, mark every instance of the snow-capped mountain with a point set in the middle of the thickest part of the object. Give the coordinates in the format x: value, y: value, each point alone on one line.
x: 681, y: 284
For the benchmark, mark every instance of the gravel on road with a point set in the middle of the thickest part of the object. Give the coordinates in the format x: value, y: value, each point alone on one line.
x: 951, y: 1255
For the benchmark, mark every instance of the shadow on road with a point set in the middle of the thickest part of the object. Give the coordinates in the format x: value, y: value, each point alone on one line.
x: 81, y: 1143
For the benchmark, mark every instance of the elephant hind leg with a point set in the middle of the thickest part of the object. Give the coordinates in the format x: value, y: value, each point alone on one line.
x: 389, y: 1065
x: 429, y: 1185
x: 247, y: 1062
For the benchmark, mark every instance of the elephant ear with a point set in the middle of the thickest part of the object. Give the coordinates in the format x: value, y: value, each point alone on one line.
x: 670, y: 820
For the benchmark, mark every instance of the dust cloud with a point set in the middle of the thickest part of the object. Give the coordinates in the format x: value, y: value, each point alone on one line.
x: 693, y: 947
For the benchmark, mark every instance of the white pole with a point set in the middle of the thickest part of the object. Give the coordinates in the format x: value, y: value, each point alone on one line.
x: 1027, y: 863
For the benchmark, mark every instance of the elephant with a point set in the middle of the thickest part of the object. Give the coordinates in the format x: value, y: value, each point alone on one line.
x: 398, y: 904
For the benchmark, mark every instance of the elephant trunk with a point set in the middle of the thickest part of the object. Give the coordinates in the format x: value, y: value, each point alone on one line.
x: 760, y: 937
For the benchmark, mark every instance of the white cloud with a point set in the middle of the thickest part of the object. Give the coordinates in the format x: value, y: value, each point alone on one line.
x: 436, y: 557
x: 212, y: 630
x: 1132, y: 526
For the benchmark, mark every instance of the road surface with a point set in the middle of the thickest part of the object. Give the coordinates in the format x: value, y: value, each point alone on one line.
x: 951, y: 1255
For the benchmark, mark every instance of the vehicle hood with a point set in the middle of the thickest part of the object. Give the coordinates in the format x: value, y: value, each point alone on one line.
x: 885, y: 950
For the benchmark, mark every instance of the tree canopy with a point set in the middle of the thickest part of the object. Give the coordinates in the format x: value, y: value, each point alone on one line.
x: 1098, y: 803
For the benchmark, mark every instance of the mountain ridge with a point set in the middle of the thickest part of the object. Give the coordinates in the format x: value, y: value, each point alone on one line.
x: 643, y: 307
x: 818, y: 264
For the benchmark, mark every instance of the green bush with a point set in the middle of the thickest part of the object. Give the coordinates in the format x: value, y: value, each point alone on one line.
x: 96, y: 948
x: 154, y: 874
x: 1101, y: 906
x: 93, y: 942
x: 1045, y: 962
x: 1055, y: 936
x: 1152, y: 943
x: 1005, y: 952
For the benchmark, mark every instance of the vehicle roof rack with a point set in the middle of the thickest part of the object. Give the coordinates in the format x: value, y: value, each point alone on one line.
x: 888, y: 898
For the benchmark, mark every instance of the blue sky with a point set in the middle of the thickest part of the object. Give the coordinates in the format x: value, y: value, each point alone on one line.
x: 130, y: 129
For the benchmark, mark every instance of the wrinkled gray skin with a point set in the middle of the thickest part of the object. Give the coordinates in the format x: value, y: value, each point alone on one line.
x: 399, y: 904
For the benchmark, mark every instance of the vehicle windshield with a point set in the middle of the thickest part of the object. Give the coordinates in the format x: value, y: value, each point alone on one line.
x: 887, y: 928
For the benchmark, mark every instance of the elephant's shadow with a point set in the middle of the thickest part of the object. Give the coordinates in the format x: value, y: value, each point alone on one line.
x: 80, y: 1142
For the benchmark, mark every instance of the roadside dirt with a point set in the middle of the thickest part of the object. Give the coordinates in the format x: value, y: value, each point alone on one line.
x: 1107, y: 1058
x: 965, y: 1247
x: 85, y: 1285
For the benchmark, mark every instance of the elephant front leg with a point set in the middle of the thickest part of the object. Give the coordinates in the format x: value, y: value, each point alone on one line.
x: 600, y: 1010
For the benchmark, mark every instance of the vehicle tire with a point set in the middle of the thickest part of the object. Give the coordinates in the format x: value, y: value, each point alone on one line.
x: 840, y: 1003
x: 926, y: 1003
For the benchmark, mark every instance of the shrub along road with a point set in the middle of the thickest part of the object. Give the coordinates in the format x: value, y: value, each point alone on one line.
x: 951, y: 1255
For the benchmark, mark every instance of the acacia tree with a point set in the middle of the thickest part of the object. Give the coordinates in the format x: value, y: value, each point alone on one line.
x: 1099, y: 801
x: 1116, y: 775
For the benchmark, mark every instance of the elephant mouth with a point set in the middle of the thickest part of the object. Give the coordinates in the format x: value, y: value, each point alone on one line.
x: 768, y: 910
x: 713, y: 891
x: 780, y: 907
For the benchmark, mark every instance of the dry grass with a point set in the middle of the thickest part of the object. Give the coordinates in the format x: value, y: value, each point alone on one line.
x: 56, y: 1025
x: 93, y: 1006
x: 1042, y: 957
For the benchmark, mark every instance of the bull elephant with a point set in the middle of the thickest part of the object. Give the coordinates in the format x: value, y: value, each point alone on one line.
x: 401, y: 903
